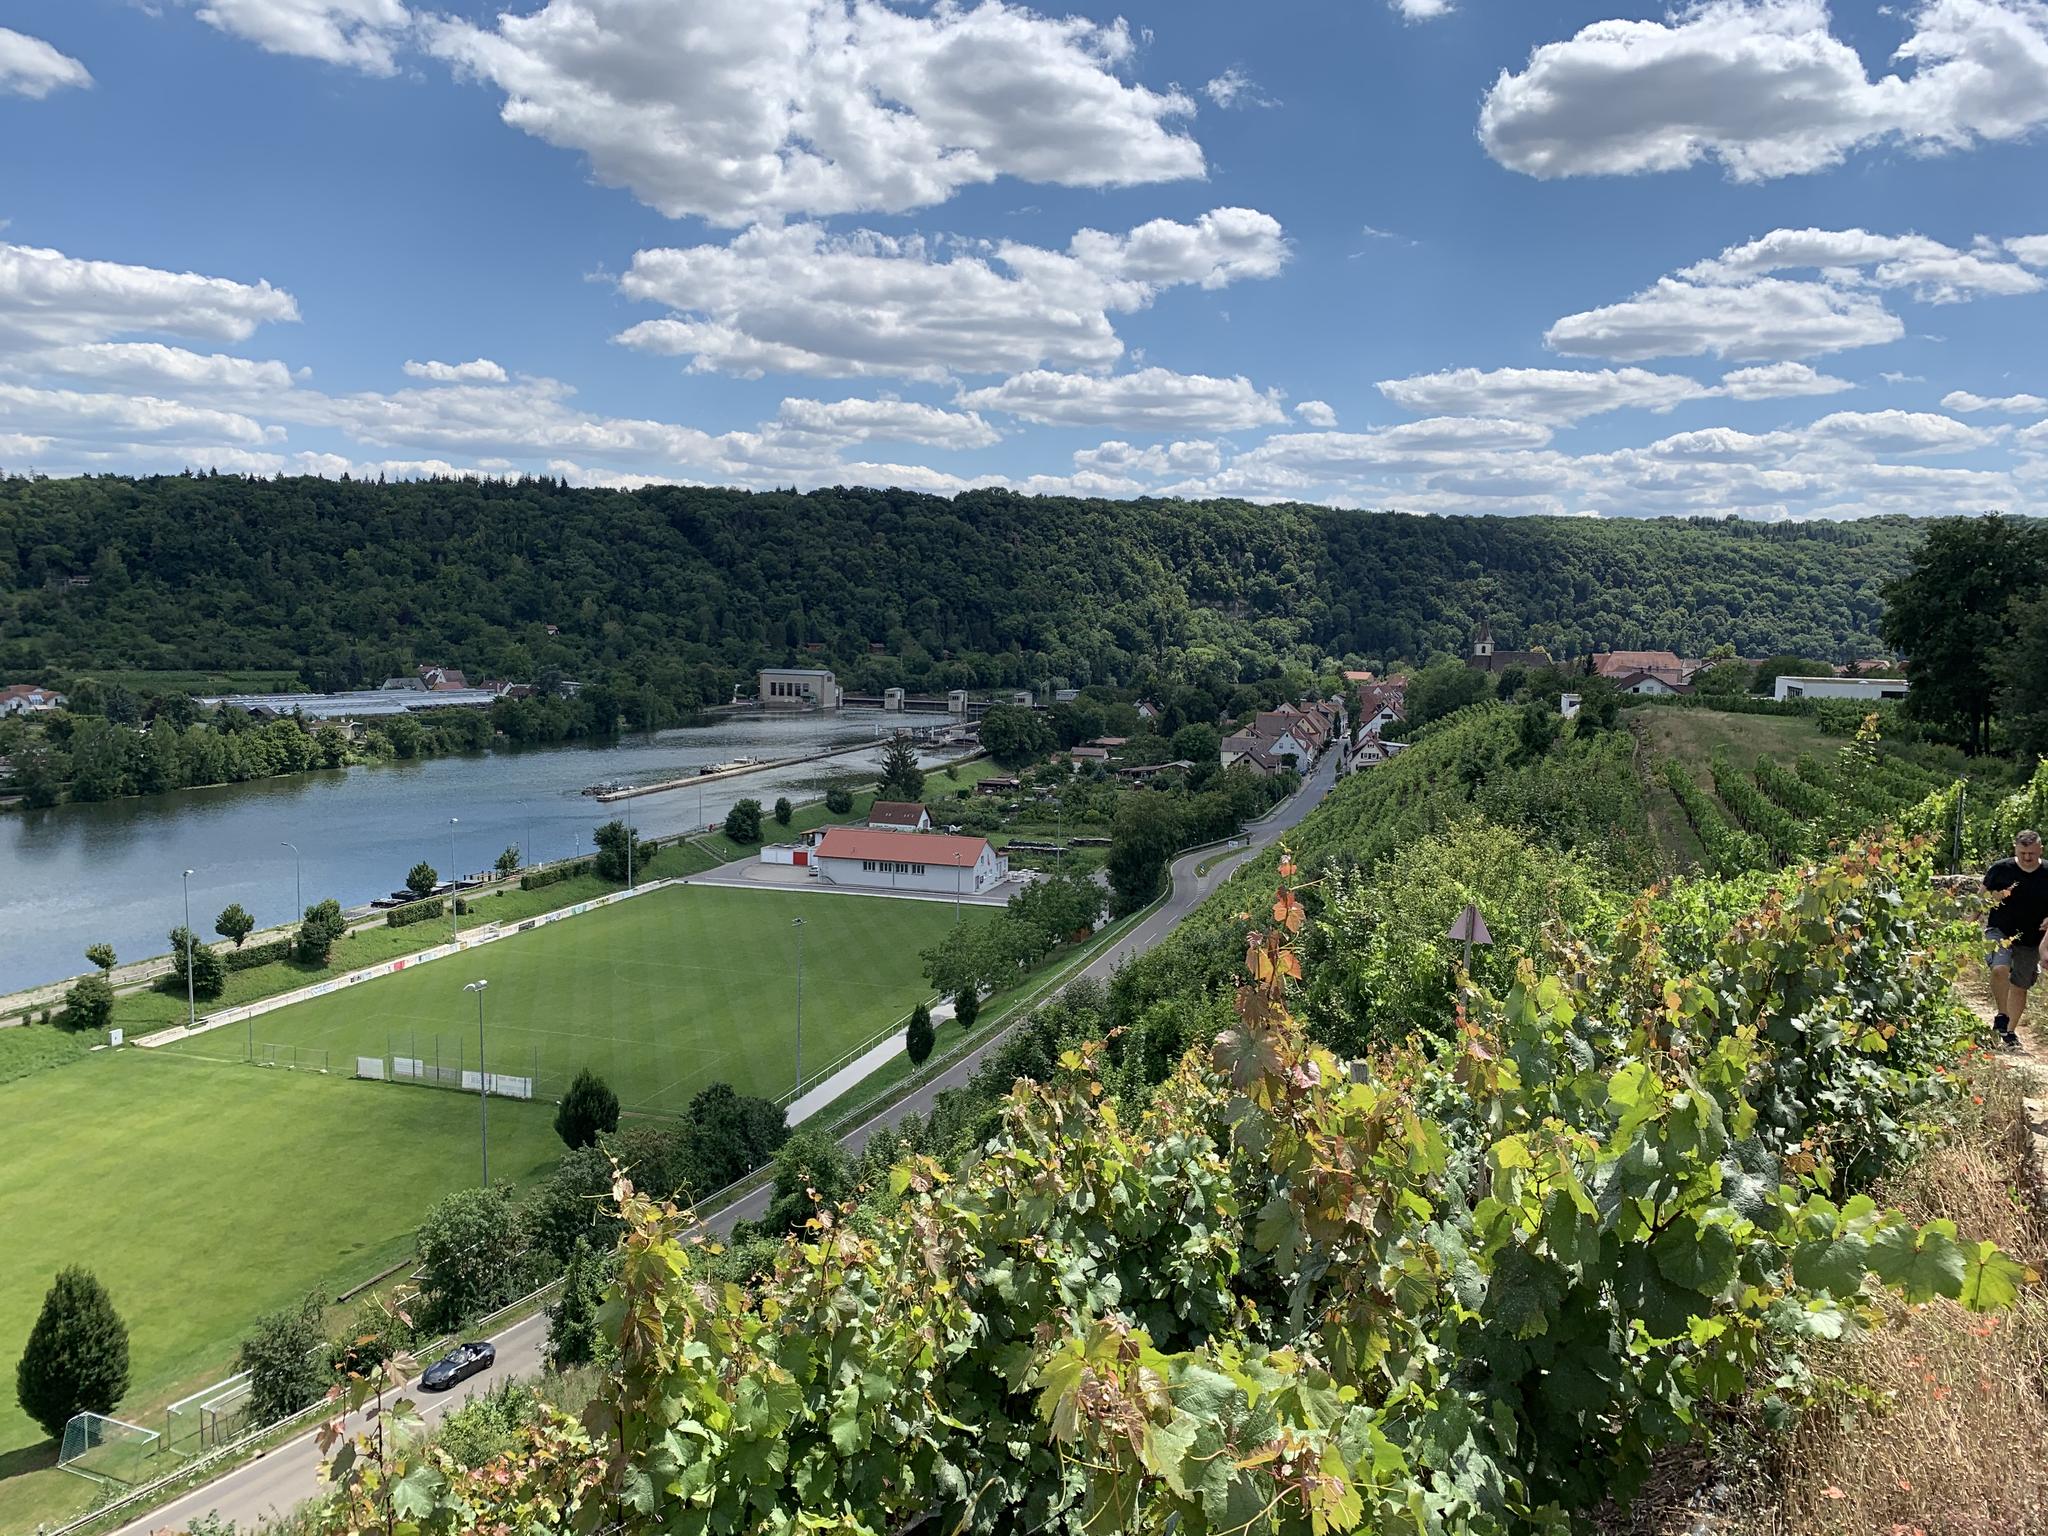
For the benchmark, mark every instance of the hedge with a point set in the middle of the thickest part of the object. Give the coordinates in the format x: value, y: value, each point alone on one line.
x: 414, y: 912
x: 257, y: 954
x: 534, y: 879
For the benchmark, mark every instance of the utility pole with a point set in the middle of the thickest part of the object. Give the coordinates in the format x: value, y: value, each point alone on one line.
x: 798, y: 924
x: 483, y: 1090
x: 454, y: 884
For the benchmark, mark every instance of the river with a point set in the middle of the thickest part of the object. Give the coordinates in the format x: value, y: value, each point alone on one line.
x: 78, y: 874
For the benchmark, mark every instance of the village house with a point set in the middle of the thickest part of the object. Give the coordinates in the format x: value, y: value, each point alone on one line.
x: 934, y: 862
x: 1486, y: 657
x: 442, y: 679
x: 27, y: 699
x: 1665, y: 666
x: 1876, y: 688
x: 1647, y: 684
x: 898, y: 816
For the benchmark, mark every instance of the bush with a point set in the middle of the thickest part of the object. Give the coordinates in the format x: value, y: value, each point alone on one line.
x: 414, y: 912
x: 489, y: 1424
x: 726, y: 1135
x: 839, y: 801
x: 77, y: 1355
x: 572, y: 1321
x: 966, y: 1006
x: 743, y: 821
x: 286, y: 1361
x: 537, y: 879
x: 261, y: 954
x: 422, y: 878
x: 586, y: 1109
x: 234, y: 923
x: 469, y: 1249
x: 88, y: 1005
x: 324, y: 924
x: 209, y: 972
x: 918, y: 1038
x: 783, y: 810
x: 809, y: 1164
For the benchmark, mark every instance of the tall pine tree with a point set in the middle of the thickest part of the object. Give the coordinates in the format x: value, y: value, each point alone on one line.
x: 77, y: 1355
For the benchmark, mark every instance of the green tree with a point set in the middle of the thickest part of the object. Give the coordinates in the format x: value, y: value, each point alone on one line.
x: 1198, y: 743
x: 810, y: 1170
x: 286, y: 1358
x: 1536, y: 728
x: 613, y: 861
x: 1771, y: 668
x: 783, y: 810
x: 234, y: 924
x: 508, y: 862
x: 1143, y: 837
x: 1952, y: 617
x: 101, y: 955
x: 918, y: 1039
x: 1014, y: 735
x: 743, y: 821
x: 902, y: 779
x: 573, y: 1335
x: 422, y: 878
x: 88, y: 1004
x: 587, y: 1108
x: 727, y: 1135
x: 1443, y: 688
x: 469, y: 1251
x: 209, y: 971
x: 966, y: 1007
x: 76, y: 1360
x: 319, y: 931
x: 838, y: 800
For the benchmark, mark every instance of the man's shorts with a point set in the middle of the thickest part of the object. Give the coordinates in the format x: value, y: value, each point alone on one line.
x: 2023, y: 961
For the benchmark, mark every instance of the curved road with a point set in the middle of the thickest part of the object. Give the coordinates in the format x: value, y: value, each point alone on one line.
x: 274, y: 1483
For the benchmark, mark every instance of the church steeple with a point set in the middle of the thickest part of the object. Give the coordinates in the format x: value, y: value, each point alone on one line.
x: 1482, y: 643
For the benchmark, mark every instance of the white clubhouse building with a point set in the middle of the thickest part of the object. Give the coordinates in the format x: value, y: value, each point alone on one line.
x: 908, y: 861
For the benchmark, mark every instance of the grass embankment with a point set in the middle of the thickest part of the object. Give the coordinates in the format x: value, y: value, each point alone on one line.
x: 205, y: 1193
x: 659, y: 996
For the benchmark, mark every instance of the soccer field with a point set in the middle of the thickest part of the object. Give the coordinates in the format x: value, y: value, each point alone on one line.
x: 660, y: 996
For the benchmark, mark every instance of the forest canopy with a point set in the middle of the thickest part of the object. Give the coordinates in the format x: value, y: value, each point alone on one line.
x: 680, y: 592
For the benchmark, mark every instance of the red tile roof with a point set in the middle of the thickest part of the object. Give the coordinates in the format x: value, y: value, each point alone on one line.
x: 903, y: 812
x: 918, y: 847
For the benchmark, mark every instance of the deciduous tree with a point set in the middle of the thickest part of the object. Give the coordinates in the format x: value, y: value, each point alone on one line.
x: 234, y: 924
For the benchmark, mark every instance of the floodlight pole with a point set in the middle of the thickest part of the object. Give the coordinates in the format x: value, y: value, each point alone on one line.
x: 298, y: 887
x: 191, y: 1007
x: 798, y: 924
x: 483, y: 1091
x: 629, y: 841
x: 454, y: 884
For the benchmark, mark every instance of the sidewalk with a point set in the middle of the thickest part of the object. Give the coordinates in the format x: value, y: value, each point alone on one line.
x: 859, y: 1070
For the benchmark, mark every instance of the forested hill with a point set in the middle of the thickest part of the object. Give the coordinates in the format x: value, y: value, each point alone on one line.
x: 678, y: 590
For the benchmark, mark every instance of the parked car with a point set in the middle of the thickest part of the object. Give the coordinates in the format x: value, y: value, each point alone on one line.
x: 459, y: 1364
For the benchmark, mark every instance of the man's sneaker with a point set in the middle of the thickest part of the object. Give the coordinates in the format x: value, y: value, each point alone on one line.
x: 2000, y: 1024
x: 2008, y: 1038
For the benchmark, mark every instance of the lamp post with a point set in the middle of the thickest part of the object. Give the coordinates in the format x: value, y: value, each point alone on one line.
x: 454, y: 917
x: 798, y: 924
x: 298, y: 889
x: 191, y: 1007
x: 483, y: 1091
x: 629, y: 842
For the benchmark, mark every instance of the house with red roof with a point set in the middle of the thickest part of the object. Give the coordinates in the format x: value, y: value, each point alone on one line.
x: 937, y: 862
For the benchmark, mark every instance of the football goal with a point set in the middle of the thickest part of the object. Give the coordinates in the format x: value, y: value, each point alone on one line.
x: 109, y: 1451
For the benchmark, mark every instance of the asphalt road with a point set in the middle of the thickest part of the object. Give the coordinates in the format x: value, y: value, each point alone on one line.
x: 284, y: 1477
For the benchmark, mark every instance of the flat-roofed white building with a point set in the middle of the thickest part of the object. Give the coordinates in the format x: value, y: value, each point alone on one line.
x: 908, y: 861
x: 1840, y: 688
x: 799, y: 688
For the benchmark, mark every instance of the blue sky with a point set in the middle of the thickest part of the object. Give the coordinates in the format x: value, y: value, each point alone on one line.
x: 1752, y: 256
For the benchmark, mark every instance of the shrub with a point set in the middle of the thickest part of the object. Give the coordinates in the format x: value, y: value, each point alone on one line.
x: 1729, y: 850
x: 587, y: 1108
x: 324, y: 924
x: 209, y: 973
x: 414, y: 912
x: 918, y: 1038
x: 572, y: 1320
x: 743, y: 821
x: 259, y: 954
x: 838, y: 801
x: 77, y: 1355
x: 536, y: 879
x: 489, y: 1424
x: 966, y: 1005
x: 234, y: 923
x: 783, y: 810
x: 88, y: 1005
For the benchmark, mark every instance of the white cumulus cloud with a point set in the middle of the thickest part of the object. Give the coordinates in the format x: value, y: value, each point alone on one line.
x: 1770, y: 318
x: 1766, y: 88
x: 2011, y: 405
x: 1316, y: 413
x: 1936, y: 273
x: 859, y: 421
x: 1900, y: 432
x: 1154, y: 399
x: 1552, y: 395
x: 743, y: 110
x: 31, y: 67
x: 360, y: 34
x: 478, y: 371
x: 1773, y: 381
x: 46, y: 296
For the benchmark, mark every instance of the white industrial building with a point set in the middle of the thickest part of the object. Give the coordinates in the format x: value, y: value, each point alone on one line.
x: 799, y: 688
x: 1840, y: 688
x: 908, y: 861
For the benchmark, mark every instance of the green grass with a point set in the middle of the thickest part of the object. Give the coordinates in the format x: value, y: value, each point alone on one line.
x: 938, y: 793
x: 659, y: 996
x: 32, y: 1048
x: 1691, y: 735
x: 205, y: 1195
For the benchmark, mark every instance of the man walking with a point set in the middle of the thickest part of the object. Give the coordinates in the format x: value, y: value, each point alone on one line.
x: 2013, y: 930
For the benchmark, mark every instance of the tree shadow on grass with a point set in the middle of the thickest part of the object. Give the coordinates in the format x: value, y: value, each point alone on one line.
x: 39, y: 1457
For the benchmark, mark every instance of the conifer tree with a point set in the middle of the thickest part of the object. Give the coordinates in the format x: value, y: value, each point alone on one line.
x: 77, y: 1355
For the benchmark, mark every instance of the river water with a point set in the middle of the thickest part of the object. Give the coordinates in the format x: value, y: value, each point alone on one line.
x: 78, y: 874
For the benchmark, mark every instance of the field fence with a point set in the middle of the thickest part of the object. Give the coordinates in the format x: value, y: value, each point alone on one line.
x: 293, y: 1058
x: 436, y: 1061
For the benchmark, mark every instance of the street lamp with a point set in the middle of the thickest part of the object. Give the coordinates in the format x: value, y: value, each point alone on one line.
x: 454, y: 885
x: 191, y: 1008
x: 483, y: 1091
x: 798, y: 924
x: 629, y: 842
x: 298, y: 890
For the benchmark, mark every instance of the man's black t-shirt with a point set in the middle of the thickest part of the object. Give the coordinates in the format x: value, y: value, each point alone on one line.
x: 2019, y: 916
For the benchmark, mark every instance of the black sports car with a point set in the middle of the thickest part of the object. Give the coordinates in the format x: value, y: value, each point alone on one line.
x: 459, y: 1364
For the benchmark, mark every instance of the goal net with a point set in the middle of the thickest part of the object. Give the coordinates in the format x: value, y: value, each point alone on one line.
x: 109, y: 1450
x: 210, y: 1417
